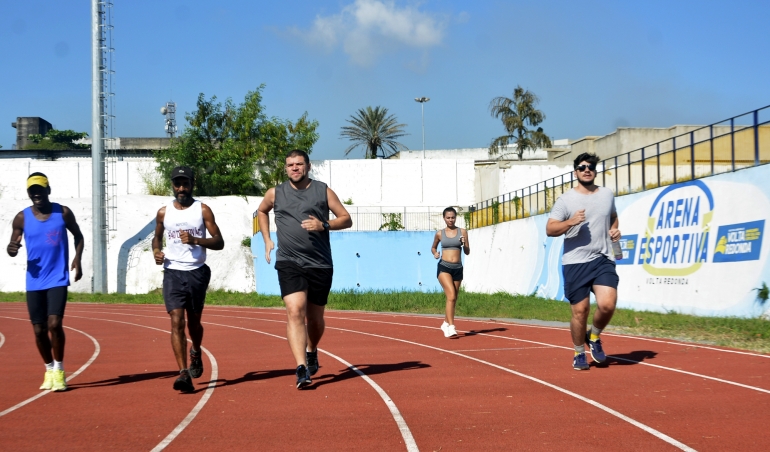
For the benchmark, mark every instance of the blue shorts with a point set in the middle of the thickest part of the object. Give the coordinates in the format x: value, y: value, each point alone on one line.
x: 579, y: 279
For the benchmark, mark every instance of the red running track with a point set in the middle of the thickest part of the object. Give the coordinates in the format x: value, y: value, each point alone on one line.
x: 387, y: 382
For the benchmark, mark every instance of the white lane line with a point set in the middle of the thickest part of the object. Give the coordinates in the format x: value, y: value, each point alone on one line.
x: 406, y: 434
x: 97, y: 349
x: 547, y: 345
x: 671, y: 369
x: 2, y: 340
x: 500, y: 349
x: 646, y: 428
x: 198, y: 407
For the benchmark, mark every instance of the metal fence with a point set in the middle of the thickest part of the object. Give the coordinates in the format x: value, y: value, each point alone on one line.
x: 739, y: 142
x: 376, y: 218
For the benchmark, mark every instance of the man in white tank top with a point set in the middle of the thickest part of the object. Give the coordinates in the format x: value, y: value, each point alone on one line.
x: 186, y: 276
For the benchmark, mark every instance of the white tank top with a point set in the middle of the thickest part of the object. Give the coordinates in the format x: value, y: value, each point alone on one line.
x: 178, y: 255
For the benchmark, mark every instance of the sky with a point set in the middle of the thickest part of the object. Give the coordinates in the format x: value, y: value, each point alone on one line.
x: 595, y: 65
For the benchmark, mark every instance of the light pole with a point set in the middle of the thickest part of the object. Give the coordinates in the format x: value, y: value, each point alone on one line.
x: 422, y: 101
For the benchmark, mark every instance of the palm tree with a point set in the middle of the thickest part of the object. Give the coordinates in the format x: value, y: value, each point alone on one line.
x: 516, y: 114
x: 376, y: 131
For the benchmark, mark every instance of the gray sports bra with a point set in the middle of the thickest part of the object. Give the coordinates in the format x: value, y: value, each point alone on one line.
x: 451, y: 243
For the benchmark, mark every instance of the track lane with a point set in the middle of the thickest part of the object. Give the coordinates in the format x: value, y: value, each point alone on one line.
x: 24, y: 368
x: 237, y: 400
x: 568, y: 440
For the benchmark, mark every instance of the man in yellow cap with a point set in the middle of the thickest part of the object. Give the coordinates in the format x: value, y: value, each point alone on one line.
x: 44, y: 226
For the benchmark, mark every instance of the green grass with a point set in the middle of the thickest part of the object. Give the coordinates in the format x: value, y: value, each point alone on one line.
x: 749, y: 334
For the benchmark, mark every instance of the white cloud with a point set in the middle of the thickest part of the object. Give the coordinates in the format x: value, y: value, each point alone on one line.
x: 368, y: 28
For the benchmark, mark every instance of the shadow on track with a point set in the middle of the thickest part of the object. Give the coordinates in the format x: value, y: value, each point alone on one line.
x: 255, y: 376
x: 490, y: 330
x: 627, y: 359
x: 124, y: 379
x: 368, y: 369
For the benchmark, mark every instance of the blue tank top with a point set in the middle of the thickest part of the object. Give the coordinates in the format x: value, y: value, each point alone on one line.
x: 47, y: 250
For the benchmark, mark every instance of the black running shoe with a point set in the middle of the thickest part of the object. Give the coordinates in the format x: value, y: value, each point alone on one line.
x: 196, y: 364
x: 303, y: 377
x: 312, y: 362
x: 184, y: 382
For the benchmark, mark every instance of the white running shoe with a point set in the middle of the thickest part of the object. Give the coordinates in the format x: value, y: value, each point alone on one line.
x: 450, y: 331
x: 445, y: 329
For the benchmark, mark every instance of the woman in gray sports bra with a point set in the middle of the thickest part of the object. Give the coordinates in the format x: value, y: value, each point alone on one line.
x: 450, y: 265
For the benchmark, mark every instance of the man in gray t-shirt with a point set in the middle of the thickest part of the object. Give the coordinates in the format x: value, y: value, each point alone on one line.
x: 587, y: 218
x: 304, y: 257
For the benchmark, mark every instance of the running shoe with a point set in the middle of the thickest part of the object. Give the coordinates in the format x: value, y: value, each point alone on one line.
x: 48, y: 381
x: 597, y: 352
x: 579, y: 362
x: 196, y: 364
x: 303, y: 377
x: 450, y: 331
x: 444, y: 328
x: 312, y: 362
x: 59, y: 382
x: 184, y: 382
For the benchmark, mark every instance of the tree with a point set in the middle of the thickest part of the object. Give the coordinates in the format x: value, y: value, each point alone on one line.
x: 227, y: 144
x: 375, y: 131
x: 516, y: 114
x: 278, y: 138
x: 57, y: 140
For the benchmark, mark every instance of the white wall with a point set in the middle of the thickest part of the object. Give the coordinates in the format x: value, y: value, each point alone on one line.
x: 411, y: 183
x: 504, y: 177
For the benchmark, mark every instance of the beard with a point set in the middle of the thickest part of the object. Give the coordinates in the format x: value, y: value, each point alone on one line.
x: 183, y: 198
x: 586, y: 184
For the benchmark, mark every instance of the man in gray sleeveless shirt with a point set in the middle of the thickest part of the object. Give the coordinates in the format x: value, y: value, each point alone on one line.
x: 304, y: 256
x: 586, y: 216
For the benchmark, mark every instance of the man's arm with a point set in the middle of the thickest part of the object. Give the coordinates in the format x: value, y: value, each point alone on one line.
x: 343, y: 220
x: 18, y: 230
x: 614, y: 232
x: 72, y: 226
x: 157, y: 240
x: 215, y: 242
x: 263, y: 218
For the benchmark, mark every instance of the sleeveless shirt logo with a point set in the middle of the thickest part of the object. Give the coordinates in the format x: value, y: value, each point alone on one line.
x: 52, y: 237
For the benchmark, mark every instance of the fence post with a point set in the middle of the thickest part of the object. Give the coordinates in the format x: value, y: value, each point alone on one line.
x: 692, y: 155
x: 628, y: 162
x: 674, y: 151
x: 711, y: 144
x: 657, y: 160
x: 644, y: 179
x: 732, y: 142
x: 616, y: 175
x: 756, y: 138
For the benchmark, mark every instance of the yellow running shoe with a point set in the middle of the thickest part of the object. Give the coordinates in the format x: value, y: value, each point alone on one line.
x: 48, y: 382
x: 59, y: 382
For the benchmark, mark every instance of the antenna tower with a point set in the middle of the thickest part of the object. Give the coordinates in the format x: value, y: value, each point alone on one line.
x: 169, y: 111
x: 103, y: 142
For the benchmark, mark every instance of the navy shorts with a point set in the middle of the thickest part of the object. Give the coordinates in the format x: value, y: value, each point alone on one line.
x: 579, y: 279
x: 456, y: 270
x: 316, y: 280
x: 186, y: 289
x: 42, y: 303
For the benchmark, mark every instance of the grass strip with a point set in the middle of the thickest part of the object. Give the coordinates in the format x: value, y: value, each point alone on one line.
x: 749, y: 334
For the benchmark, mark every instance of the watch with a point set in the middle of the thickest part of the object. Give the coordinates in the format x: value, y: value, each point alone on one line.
x: 326, y: 225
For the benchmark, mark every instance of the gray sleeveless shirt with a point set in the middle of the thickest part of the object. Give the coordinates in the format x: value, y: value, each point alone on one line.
x: 295, y: 244
x: 451, y: 243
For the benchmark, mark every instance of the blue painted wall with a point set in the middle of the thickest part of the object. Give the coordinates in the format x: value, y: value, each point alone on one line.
x: 398, y: 260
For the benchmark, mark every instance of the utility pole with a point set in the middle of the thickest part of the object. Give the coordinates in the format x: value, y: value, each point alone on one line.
x: 422, y: 101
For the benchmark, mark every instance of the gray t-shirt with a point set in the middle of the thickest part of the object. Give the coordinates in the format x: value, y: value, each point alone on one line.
x: 295, y: 244
x: 591, y: 238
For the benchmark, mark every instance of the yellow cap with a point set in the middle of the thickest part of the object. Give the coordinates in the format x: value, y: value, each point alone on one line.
x: 37, y: 180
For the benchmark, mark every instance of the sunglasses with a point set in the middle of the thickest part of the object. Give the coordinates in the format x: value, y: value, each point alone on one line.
x: 582, y: 168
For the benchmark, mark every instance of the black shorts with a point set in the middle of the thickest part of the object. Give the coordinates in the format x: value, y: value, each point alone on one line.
x: 42, y: 303
x: 579, y: 279
x: 456, y: 272
x: 316, y: 280
x: 186, y: 288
